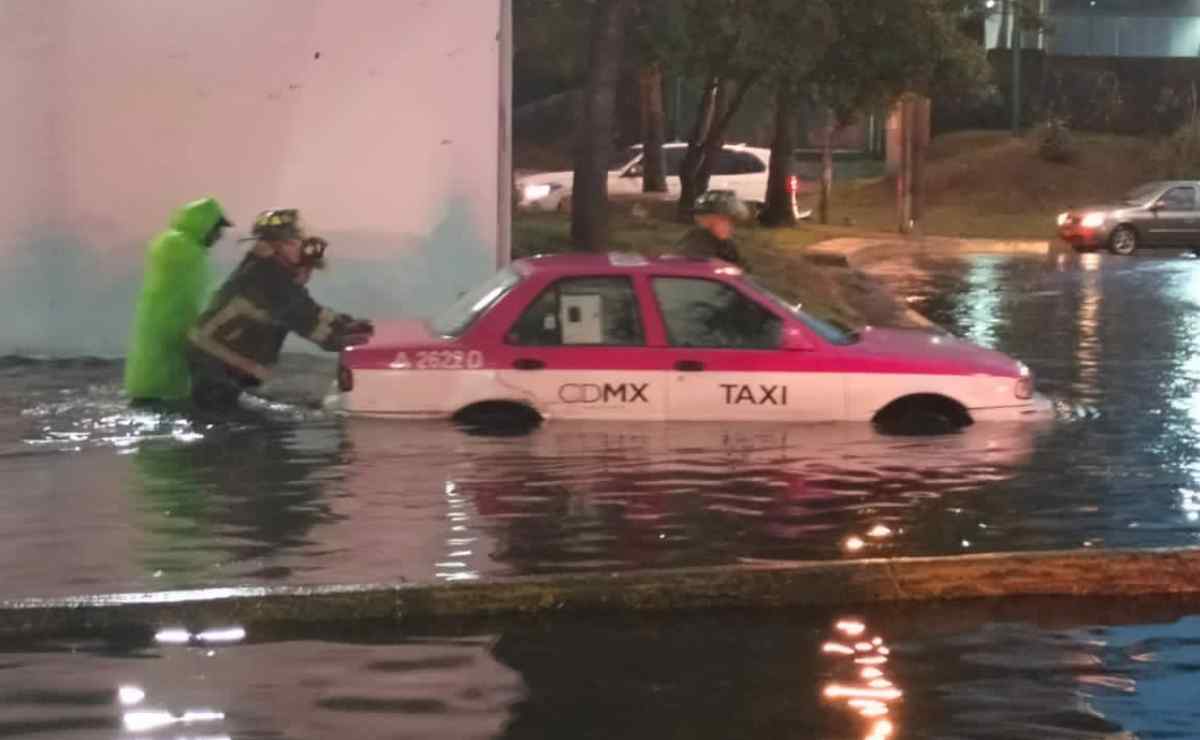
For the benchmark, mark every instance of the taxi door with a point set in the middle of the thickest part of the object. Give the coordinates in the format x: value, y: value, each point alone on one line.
x: 578, y: 351
x: 728, y: 359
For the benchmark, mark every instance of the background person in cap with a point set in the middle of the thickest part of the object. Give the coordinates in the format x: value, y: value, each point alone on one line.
x: 174, y: 285
x: 716, y: 212
x: 237, y: 340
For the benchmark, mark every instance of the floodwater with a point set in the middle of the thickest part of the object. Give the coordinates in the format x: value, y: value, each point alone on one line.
x: 1039, y: 669
x: 99, y: 498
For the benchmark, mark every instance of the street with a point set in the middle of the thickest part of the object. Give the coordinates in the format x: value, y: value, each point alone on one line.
x: 300, y: 497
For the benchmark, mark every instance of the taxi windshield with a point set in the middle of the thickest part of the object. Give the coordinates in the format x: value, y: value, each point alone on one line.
x: 471, y: 305
x: 829, y: 329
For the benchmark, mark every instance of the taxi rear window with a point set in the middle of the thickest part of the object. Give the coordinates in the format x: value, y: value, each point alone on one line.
x: 474, y: 303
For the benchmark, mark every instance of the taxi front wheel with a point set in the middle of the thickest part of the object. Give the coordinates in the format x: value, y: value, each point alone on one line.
x: 920, y: 416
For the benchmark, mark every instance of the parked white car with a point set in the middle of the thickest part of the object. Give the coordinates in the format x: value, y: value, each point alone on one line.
x: 741, y: 169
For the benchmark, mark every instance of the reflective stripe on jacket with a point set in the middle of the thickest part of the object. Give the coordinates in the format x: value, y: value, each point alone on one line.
x: 251, y: 315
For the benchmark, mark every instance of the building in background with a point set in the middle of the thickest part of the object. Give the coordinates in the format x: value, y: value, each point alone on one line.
x: 1106, y: 28
x: 384, y: 121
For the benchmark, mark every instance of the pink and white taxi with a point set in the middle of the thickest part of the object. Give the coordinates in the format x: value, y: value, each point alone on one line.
x: 629, y: 338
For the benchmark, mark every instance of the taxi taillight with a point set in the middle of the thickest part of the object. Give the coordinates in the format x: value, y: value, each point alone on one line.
x: 345, y: 379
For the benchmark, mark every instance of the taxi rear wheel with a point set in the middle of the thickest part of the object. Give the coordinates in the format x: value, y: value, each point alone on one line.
x: 498, y: 417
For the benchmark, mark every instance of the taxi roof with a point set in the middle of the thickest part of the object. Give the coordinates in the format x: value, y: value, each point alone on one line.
x: 623, y: 263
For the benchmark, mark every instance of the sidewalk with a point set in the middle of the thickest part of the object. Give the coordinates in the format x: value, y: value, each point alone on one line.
x: 858, y: 252
x: 1079, y: 573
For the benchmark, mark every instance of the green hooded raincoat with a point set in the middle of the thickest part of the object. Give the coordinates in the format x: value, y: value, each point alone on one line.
x: 174, y: 288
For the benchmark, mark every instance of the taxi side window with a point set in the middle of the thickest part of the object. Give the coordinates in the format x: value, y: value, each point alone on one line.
x: 707, y: 313
x: 582, y: 311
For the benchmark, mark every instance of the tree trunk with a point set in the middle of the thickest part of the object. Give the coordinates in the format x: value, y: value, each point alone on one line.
x: 826, y: 167
x: 690, y: 167
x: 589, y: 198
x: 654, y: 175
x: 904, y: 176
x: 716, y: 139
x: 780, y: 200
x: 722, y: 100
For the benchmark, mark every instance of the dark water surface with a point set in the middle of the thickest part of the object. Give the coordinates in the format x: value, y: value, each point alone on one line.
x: 100, y: 498
x: 1019, y: 670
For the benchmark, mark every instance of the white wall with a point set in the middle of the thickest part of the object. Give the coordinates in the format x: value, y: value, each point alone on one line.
x: 117, y: 111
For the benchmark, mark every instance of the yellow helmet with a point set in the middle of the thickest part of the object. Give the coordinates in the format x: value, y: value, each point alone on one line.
x: 278, y: 224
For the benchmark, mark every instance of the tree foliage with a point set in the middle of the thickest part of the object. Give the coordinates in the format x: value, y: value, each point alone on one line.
x: 884, y: 48
x: 732, y: 46
x: 593, y: 150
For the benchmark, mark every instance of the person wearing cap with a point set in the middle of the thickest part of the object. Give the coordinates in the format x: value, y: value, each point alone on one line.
x: 715, y: 213
x: 175, y: 284
x: 237, y: 340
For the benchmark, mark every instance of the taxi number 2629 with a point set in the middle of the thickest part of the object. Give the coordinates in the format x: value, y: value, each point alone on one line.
x: 438, y: 360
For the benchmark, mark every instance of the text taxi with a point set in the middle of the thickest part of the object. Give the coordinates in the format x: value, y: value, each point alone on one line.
x: 628, y: 338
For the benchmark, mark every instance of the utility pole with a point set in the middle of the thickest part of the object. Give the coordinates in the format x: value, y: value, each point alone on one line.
x: 1016, y: 68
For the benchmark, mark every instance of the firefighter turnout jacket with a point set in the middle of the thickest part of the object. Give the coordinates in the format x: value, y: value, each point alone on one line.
x: 250, y: 316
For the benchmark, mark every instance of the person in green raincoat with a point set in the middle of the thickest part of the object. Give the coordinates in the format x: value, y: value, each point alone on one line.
x: 174, y: 289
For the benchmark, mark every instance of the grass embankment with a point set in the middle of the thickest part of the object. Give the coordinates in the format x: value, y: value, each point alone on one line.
x: 992, y: 185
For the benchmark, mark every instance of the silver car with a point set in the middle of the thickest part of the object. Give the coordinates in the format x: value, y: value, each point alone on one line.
x: 1164, y: 213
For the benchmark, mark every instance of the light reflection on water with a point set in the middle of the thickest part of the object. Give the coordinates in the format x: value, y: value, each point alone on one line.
x: 1116, y: 344
x: 988, y: 670
x: 861, y: 679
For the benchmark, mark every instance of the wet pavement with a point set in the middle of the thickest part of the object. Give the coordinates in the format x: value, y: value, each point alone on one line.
x: 100, y: 498
x: 1018, y: 670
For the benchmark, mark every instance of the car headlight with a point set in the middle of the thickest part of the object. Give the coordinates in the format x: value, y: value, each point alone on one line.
x: 1093, y: 220
x: 1062, y: 218
x: 536, y: 192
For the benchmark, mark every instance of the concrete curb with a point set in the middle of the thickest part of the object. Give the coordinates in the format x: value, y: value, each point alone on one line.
x: 1106, y: 573
x: 858, y: 252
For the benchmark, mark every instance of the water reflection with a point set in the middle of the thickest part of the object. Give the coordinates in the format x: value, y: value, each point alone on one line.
x: 986, y: 291
x: 1115, y: 342
x: 584, y: 496
x: 368, y: 684
x: 1088, y: 343
x: 1100, y: 670
x: 181, y: 636
x: 235, y: 501
x: 322, y: 500
x: 860, y: 679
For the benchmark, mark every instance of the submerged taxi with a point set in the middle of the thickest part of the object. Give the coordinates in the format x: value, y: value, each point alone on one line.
x: 624, y: 337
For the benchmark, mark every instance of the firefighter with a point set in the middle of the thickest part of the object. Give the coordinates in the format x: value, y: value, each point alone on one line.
x: 236, y: 342
x: 174, y: 286
x: 716, y: 212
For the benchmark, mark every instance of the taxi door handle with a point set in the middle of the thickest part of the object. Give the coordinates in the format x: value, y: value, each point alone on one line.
x: 527, y: 363
x: 689, y: 366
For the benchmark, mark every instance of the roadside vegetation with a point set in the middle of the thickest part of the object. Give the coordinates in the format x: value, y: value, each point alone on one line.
x: 992, y: 185
x: 979, y: 185
x: 776, y: 256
